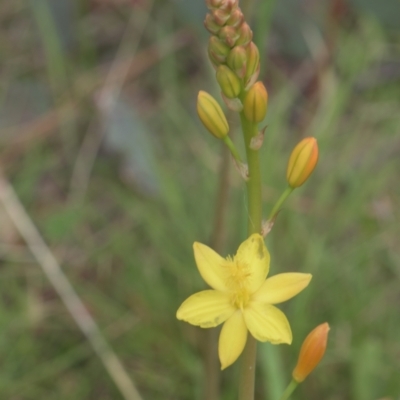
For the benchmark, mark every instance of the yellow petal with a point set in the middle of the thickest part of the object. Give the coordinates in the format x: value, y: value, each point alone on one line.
x: 232, y: 339
x: 254, y: 254
x: 267, y: 323
x: 207, y: 309
x: 211, y: 266
x: 281, y: 287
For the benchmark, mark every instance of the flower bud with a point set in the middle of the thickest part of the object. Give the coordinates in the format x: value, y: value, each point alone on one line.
x: 214, y: 3
x: 211, y: 115
x: 218, y: 50
x: 229, y: 5
x: 220, y: 16
x: 253, y: 65
x: 311, y: 352
x: 236, y: 18
x: 245, y: 35
x: 211, y: 25
x: 229, y: 35
x: 236, y: 60
x: 255, y: 103
x: 228, y: 81
x: 302, y: 162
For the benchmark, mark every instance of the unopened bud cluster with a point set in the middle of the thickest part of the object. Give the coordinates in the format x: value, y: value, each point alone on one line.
x: 236, y: 58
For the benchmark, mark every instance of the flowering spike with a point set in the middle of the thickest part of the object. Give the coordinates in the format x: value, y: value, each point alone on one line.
x: 211, y: 115
x: 311, y: 352
x: 255, y: 103
x: 302, y: 162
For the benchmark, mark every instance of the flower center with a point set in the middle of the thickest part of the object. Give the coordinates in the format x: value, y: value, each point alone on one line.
x: 237, y: 282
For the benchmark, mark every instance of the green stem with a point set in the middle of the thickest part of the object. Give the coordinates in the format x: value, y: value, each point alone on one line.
x: 235, y: 154
x: 248, y: 367
x: 254, y: 182
x: 289, y: 390
x: 280, y: 201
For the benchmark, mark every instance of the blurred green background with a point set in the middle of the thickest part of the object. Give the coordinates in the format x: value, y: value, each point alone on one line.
x: 100, y: 140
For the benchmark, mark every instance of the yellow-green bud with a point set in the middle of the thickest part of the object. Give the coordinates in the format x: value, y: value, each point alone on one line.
x: 220, y: 16
x: 302, y: 162
x: 214, y: 3
x: 245, y: 35
x: 229, y: 35
x: 211, y: 115
x: 253, y: 65
x: 218, y: 50
x: 236, y: 18
x: 255, y: 103
x: 229, y: 5
x: 211, y: 25
x: 228, y: 81
x: 236, y: 60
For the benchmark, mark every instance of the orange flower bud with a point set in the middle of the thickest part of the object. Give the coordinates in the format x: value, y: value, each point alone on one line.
x: 311, y: 352
x: 302, y: 162
x: 228, y: 81
x: 255, y: 103
x: 236, y: 61
x: 211, y: 115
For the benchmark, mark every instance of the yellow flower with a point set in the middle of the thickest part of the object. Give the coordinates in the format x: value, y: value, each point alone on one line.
x: 242, y: 297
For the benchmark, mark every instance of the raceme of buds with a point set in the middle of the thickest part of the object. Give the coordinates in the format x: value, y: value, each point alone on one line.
x: 228, y: 81
x: 255, y: 103
x: 302, y: 162
x: 311, y: 352
x: 211, y: 115
x: 237, y: 60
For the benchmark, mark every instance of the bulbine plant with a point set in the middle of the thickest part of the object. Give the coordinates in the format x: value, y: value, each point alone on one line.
x: 241, y: 297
